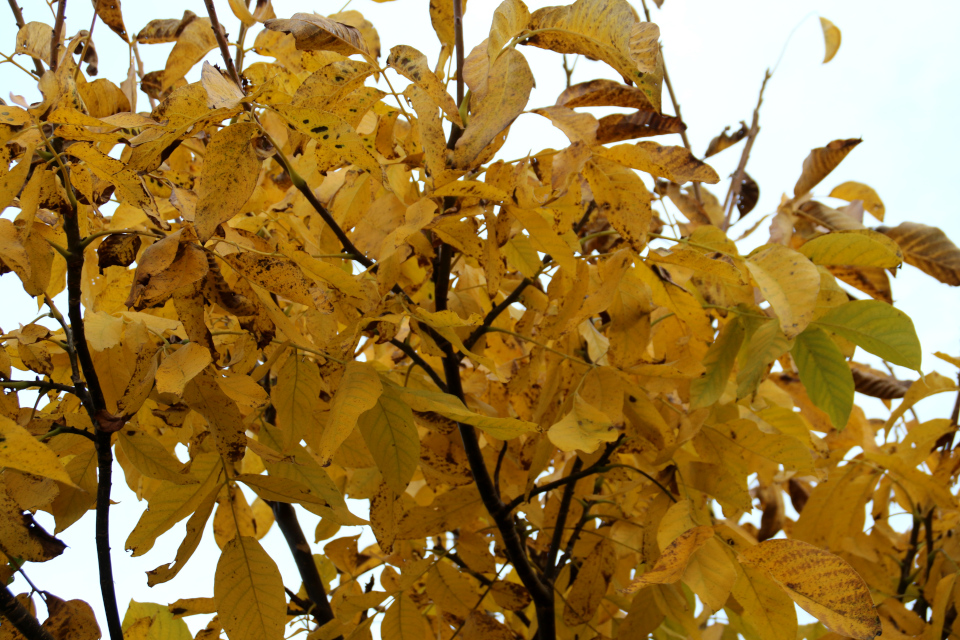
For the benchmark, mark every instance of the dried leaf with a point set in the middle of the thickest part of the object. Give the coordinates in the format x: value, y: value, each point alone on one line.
x: 928, y: 249
x: 316, y: 33
x: 831, y: 39
x: 821, y: 162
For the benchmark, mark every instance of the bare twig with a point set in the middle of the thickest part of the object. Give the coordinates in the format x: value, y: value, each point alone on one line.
x: 676, y: 108
x: 42, y: 385
x: 238, y: 63
x: 735, y: 187
x: 21, y: 619
x: 57, y: 34
x: 420, y: 362
x: 222, y: 42
x: 88, y: 40
x: 18, y: 18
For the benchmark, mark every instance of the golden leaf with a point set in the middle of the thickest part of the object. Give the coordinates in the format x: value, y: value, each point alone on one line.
x: 249, y: 592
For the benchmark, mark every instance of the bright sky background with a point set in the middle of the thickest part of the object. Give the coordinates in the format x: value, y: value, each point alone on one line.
x: 893, y: 83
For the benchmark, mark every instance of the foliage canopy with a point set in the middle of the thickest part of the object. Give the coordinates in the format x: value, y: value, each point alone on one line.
x: 562, y: 406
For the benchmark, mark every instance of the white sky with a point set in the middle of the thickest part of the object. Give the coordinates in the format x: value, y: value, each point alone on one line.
x: 893, y: 83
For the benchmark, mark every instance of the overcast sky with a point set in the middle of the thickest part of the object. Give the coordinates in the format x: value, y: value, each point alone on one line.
x: 893, y: 83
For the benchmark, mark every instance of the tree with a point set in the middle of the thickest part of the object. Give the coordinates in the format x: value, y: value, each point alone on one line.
x: 559, y: 403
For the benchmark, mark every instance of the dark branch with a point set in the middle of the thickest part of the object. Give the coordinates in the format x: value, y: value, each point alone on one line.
x: 21, y: 619
x: 597, y: 467
x: 42, y: 385
x: 222, y: 42
x: 18, y: 18
x: 550, y: 567
x: 420, y: 362
x: 286, y: 518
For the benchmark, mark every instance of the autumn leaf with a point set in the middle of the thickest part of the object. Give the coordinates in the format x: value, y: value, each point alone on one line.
x: 825, y: 374
x: 831, y: 38
x: 823, y: 584
x: 928, y: 249
x: 821, y: 162
x: 249, y: 591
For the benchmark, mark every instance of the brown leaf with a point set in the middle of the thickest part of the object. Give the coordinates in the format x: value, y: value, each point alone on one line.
x: 604, y: 93
x: 821, y: 162
x: 833, y: 219
x: 877, y: 384
x: 70, y: 620
x: 118, y: 250
x: 316, y: 33
x: 928, y: 249
x: 109, y: 12
x: 510, y: 595
x: 724, y: 141
x: 160, y: 31
x: 640, y: 124
x: 748, y: 196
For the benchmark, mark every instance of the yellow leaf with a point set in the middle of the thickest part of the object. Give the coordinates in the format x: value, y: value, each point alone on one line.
x: 589, y: 589
x: 509, y: 20
x: 831, y: 39
x: 205, y: 396
x: 195, y: 527
x: 711, y: 574
x: 823, y: 584
x: 789, y: 282
x: 821, y: 162
x: 673, y: 560
x: 221, y: 90
x: 337, y: 141
x: 441, y: 18
x: 172, y: 503
x: 851, y: 191
x: 503, y: 96
x: 583, y: 429
x: 859, y: 248
x: 180, y: 367
x: 21, y: 451
x: 248, y: 588
x: 622, y: 197
x: 403, y: 620
x: 12, y: 181
x: 451, y: 590
x: 766, y: 608
x: 193, y: 42
x: 413, y: 66
x: 72, y: 619
x: 242, y: 12
x: 607, y: 30
x: 22, y: 537
x: 358, y: 392
x: 930, y: 384
x: 392, y: 437
x: 151, y: 458
x: 578, y: 127
x: 295, y: 397
x: 155, y: 620
x: 676, y: 164
x: 229, y: 175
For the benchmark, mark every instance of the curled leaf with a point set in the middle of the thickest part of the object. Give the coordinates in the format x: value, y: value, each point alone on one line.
x: 831, y: 39
x: 928, y: 249
x: 316, y: 33
x: 821, y: 162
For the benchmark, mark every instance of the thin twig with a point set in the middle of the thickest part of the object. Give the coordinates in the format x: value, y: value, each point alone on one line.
x: 42, y: 385
x: 88, y: 40
x: 676, y: 108
x: 420, y: 362
x: 18, y: 18
x: 238, y: 63
x: 599, y: 466
x: 734, y: 191
x: 222, y: 42
x: 57, y: 34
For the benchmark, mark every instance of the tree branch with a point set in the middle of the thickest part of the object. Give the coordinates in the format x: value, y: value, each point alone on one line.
x: 42, y: 385
x: 18, y: 18
x: 735, y: 187
x: 21, y: 619
x: 57, y: 33
x: 222, y: 42
x: 93, y: 402
x: 286, y: 518
x: 597, y: 467
x: 550, y: 567
x: 420, y: 362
